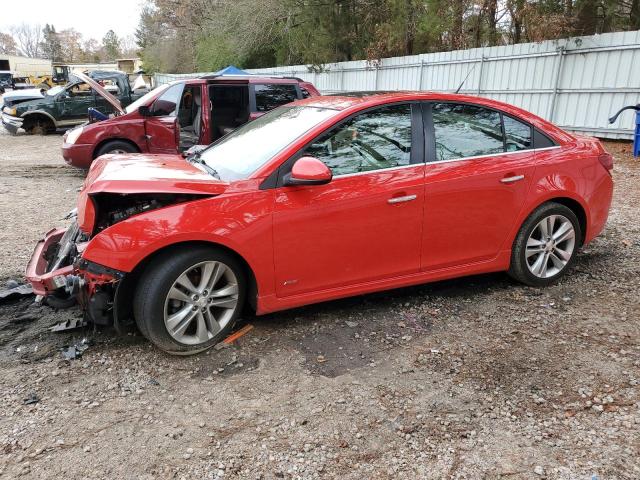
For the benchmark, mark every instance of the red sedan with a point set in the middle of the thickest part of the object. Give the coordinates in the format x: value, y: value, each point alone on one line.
x: 325, y: 198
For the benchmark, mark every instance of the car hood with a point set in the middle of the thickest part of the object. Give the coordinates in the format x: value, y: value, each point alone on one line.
x: 33, y: 93
x: 100, y: 90
x: 144, y: 173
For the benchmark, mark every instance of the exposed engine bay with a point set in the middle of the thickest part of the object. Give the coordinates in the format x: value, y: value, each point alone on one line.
x: 75, y: 280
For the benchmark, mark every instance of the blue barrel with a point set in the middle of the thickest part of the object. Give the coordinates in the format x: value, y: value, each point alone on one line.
x: 636, y: 137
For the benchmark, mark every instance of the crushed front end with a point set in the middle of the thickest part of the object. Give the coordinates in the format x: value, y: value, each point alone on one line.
x: 58, y: 272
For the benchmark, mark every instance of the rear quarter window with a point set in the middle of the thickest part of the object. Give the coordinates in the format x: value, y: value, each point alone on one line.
x: 270, y: 96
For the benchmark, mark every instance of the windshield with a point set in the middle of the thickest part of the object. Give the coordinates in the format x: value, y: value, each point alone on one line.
x: 143, y: 100
x: 5, y: 76
x: 246, y: 149
x: 53, y: 91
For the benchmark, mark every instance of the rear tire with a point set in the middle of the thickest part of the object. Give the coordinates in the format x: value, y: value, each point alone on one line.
x: 546, y: 245
x: 188, y: 300
x: 116, y: 147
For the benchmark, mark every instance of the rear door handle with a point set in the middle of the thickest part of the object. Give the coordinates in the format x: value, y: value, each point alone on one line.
x: 515, y: 178
x: 406, y: 198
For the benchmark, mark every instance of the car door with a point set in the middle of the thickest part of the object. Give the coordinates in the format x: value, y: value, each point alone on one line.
x: 366, y: 224
x: 476, y: 181
x: 161, y: 126
x: 76, y: 101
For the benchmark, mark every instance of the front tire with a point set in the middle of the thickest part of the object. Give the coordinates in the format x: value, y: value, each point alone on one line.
x: 546, y: 245
x: 116, y: 147
x: 188, y: 300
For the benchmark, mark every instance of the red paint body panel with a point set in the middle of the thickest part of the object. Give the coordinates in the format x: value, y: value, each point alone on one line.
x: 469, y: 213
x: 307, y: 244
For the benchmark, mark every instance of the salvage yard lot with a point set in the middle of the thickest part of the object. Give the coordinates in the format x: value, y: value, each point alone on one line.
x: 473, y: 378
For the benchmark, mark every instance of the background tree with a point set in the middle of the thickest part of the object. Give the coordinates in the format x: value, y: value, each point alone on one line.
x: 111, y: 44
x: 7, y: 44
x: 51, y: 47
x: 28, y: 39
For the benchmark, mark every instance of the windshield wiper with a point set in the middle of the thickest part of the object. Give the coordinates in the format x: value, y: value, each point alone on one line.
x: 195, y: 158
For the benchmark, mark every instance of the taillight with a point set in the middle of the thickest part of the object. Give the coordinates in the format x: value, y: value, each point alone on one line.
x: 606, y: 159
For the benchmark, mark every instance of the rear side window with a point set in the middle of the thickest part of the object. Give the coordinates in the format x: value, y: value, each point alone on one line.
x: 466, y: 131
x: 517, y: 134
x: 271, y: 96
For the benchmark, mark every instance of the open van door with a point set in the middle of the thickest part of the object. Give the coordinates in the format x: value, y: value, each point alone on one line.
x: 161, y: 121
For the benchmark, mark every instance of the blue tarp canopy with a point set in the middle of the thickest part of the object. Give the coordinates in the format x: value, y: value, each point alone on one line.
x: 231, y: 70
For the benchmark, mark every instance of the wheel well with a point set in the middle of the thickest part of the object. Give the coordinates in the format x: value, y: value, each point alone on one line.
x: 576, y: 208
x: 29, y: 120
x: 123, y: 306
x: 104, y: 142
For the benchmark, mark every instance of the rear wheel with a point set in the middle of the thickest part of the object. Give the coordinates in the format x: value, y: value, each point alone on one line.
x: 115, y: 147
x: 188, y: 300
x: 546, y: 245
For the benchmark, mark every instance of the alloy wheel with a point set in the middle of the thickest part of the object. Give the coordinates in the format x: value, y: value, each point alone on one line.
x: 550, y: 246
x: 201, y: 302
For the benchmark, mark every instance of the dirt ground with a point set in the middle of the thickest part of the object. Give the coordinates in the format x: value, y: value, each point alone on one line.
x: 473, y: 378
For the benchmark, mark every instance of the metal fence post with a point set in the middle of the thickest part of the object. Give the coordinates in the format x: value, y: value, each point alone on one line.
x: 480, y: 75
x: 342, y: 79
x: 559, y: 62
x: 376, y: 80
x: 421, y: 72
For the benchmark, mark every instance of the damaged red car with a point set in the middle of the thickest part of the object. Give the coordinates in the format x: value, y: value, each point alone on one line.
x: 177, y: 116
x: 324, y: 198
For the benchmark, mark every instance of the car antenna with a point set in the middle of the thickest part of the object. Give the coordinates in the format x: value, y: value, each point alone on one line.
x: 465, y: 78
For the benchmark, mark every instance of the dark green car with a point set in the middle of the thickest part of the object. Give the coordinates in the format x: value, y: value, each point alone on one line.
x: 63, y: 107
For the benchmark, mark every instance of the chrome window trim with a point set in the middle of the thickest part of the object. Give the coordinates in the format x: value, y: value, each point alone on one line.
x: 493, y: 155
x: 344, y: 175
x: 534, y: 150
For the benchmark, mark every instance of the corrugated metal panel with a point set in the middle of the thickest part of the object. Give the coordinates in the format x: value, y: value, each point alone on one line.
x: 576, y: 83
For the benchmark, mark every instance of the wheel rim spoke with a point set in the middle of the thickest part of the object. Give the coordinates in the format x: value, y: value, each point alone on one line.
x: 225, y: 291
x: 562, y: 255
x: 212, y: 323
x: 215, y: 277
x: 179, y: 322
x: 202, y: 332
x: 186, y: 283
x: 177, y: 294
x: 536, y: 268
x: 228, y: 302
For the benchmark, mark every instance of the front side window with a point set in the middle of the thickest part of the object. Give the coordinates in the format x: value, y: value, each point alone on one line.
x: 466, y: 131
x: 373, y: 140
x: 271, y: 96
x: 517, y: 134
x: 240, y: 153
x: 168, y: 102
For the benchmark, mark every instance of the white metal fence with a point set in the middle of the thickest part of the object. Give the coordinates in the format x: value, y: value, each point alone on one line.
x: 576, y: 83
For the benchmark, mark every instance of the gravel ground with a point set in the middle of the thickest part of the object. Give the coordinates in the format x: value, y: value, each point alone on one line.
x: 473, y: 378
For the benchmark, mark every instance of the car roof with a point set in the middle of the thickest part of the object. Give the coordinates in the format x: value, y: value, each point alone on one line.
x: 243, y: 79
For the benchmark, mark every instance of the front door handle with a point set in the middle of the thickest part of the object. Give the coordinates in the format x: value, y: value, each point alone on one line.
x: 405, y: 198
x: 515, y: 178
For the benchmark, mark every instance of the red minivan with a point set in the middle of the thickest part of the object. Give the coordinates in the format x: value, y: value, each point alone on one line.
x: 174, y: 117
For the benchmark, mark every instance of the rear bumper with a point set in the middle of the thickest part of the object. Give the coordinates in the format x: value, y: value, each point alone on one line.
x: 78, y: 155
x: 44, y: 282
x: 11, y: 123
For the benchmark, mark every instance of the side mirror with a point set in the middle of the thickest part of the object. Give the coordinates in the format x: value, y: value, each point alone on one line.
x: 308, y: 171
x: 144, y: 111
